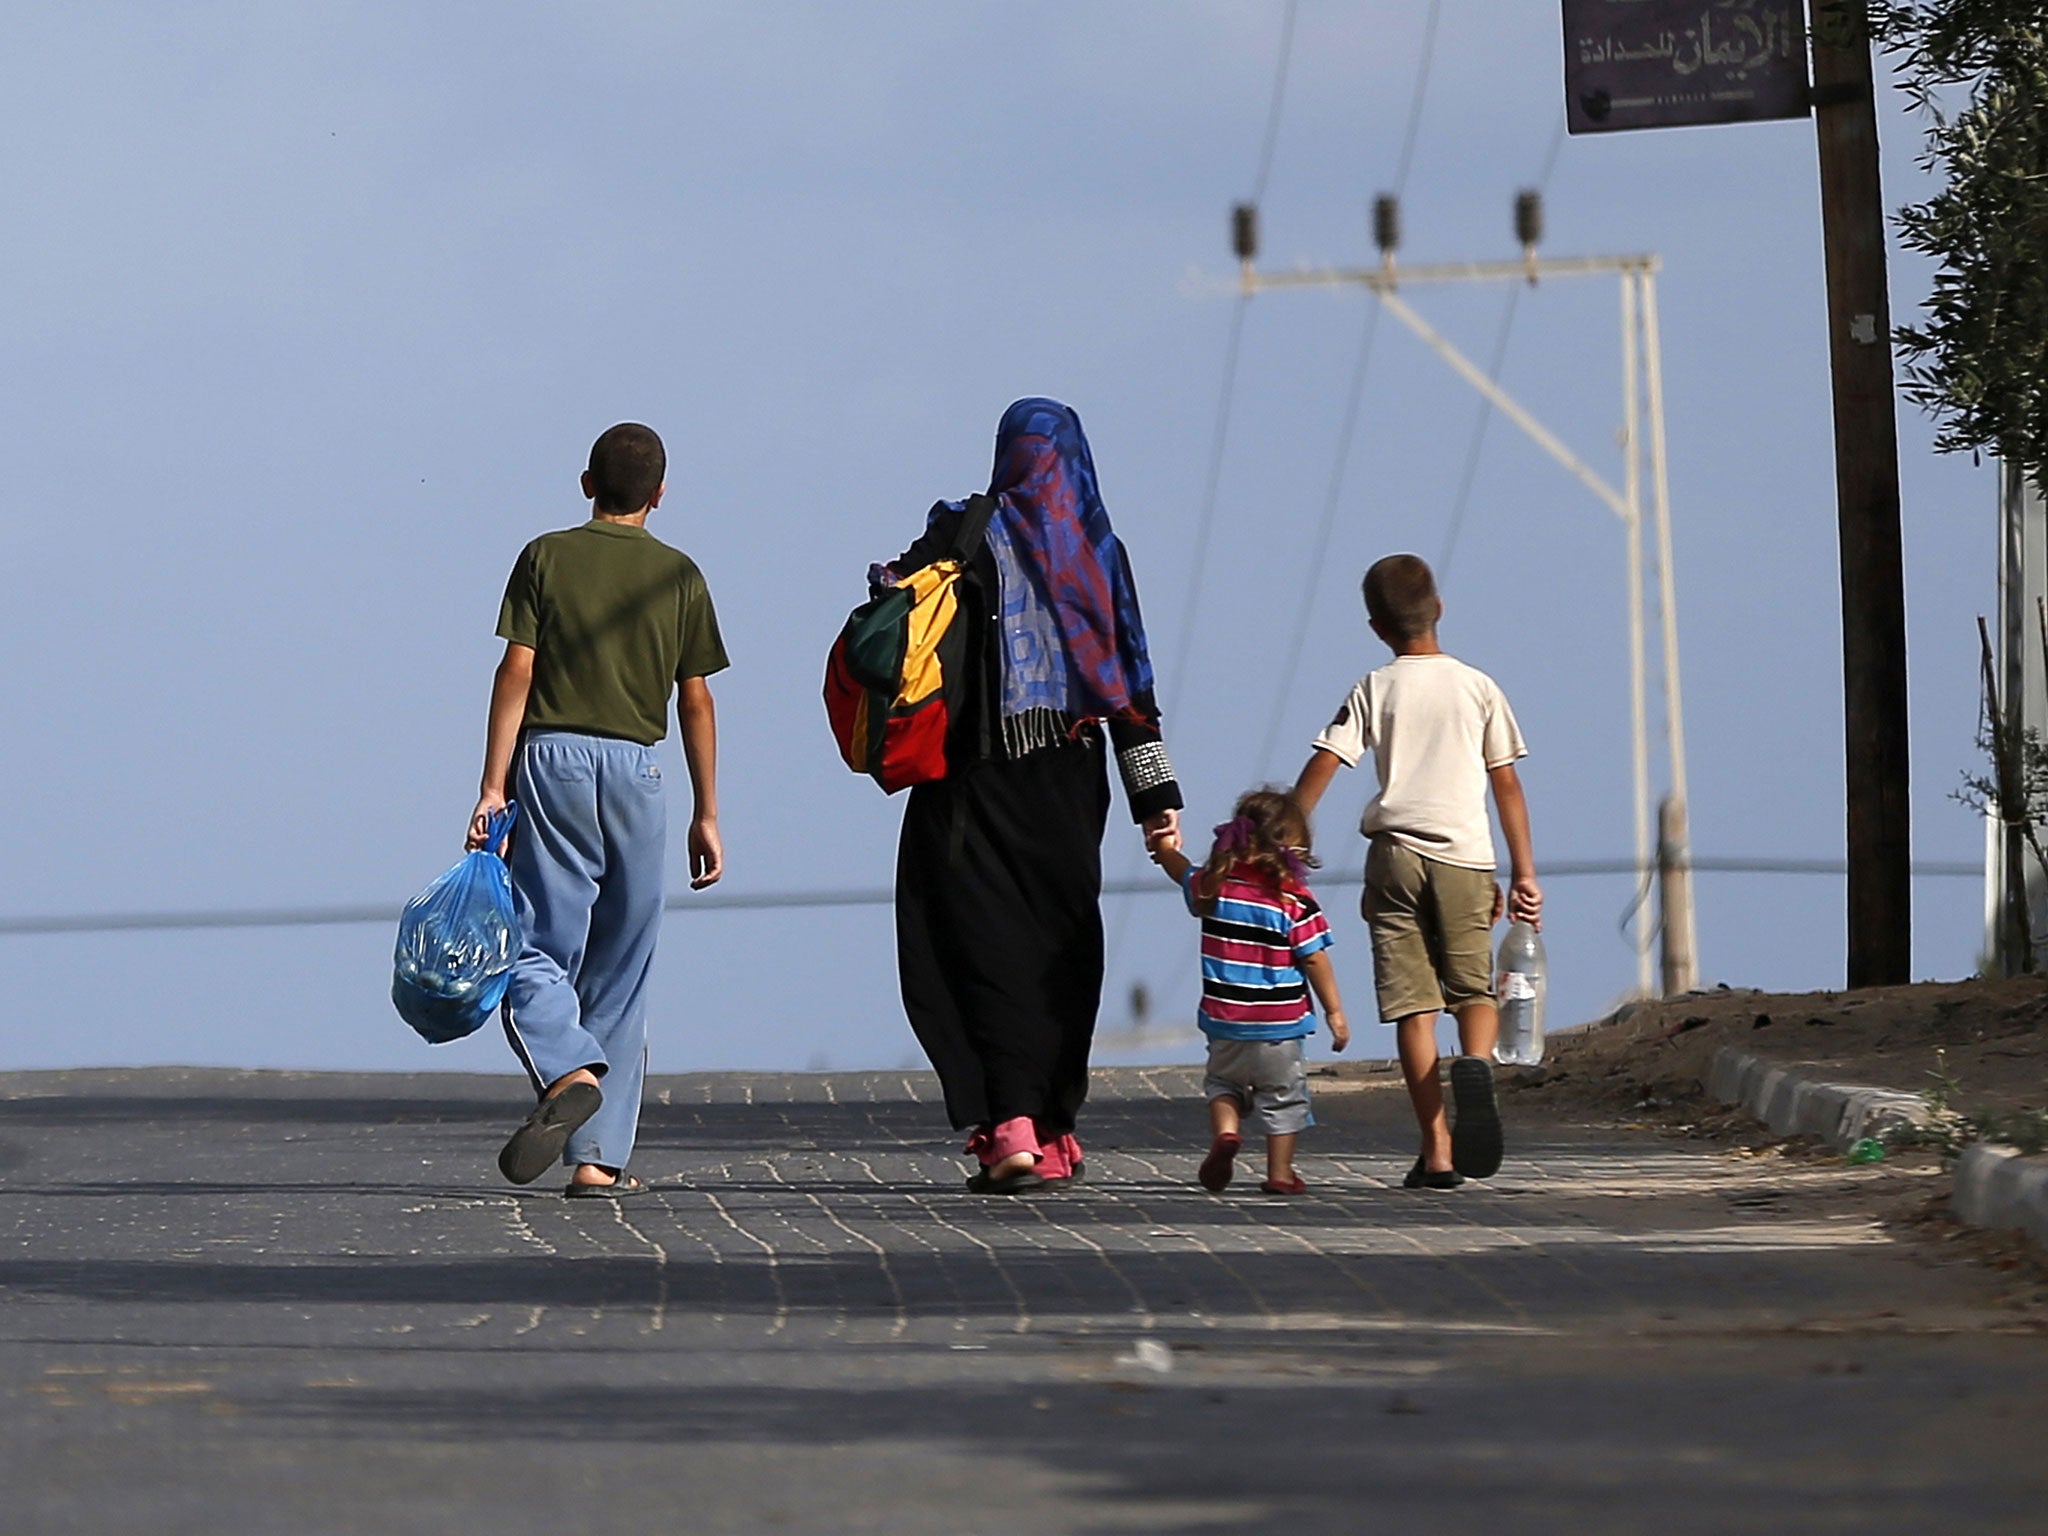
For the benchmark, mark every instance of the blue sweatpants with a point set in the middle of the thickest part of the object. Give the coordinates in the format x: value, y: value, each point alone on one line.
x: 587, y: 883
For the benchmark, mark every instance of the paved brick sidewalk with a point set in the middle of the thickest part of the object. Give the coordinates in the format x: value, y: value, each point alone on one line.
x: 263, y: 1302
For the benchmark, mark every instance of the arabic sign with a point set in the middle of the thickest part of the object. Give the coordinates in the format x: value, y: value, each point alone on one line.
x: 1671, y: 63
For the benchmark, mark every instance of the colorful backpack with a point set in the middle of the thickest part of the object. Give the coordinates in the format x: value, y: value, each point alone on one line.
x: 893, y: 679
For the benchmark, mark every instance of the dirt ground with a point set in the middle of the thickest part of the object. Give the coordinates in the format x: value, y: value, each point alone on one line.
x: 1983, y: 1045
x: 1980, y: 1045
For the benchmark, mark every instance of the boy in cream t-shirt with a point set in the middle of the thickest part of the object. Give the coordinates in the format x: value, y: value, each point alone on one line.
x: 1441, y: 735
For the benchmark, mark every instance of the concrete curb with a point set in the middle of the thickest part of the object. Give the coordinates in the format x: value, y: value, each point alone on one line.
x: 1994, y: 1186
x: 1997, y: 1187
x: 1792, y: 1104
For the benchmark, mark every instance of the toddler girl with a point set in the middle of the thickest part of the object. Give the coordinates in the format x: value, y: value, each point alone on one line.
x: 1263, y: 943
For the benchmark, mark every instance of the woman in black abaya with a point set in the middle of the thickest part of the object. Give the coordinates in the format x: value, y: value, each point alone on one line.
x: 999, y: 871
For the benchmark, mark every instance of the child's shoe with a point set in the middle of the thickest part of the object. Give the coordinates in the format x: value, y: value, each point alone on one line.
x: 1422, y: 1176
x: 1292, y: 1186
x: 1218, y: 1166
x: 1475, y: 1133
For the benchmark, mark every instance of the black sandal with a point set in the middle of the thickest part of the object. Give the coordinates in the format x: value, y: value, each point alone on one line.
x: 986, y: 1183
x: 1475, y: 1134
x: 621, y: 1188
x: 1422, y: 1176
x: 537, y: 1145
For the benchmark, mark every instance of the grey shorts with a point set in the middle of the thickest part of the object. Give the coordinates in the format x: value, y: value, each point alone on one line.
x: 1266, y: 1078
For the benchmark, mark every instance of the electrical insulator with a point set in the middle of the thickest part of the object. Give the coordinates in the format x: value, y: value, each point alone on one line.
x: 1529, y: 219
x: 1244, y: 231
x: 1386, y: 223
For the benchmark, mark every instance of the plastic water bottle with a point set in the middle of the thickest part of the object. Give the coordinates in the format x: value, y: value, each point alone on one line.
x: 1521, y: 978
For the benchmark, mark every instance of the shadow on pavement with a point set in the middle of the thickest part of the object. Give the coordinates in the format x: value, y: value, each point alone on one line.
x: 768, y: 1125
x: 1500, y: 1286
x: 1374, y: 1452
x: 177, y: 1109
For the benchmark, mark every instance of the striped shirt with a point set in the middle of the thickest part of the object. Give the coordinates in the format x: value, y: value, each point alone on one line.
x: 1252, y: 986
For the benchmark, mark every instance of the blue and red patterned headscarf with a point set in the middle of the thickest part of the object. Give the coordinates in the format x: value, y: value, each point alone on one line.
x: 1073, y: 639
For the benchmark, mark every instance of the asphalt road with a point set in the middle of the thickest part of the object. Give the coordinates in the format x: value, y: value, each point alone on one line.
x: 255, y: 1303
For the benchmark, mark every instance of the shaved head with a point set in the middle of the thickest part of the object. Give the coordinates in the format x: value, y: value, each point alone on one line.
x: 1400, y: 596
x: 627, y: 466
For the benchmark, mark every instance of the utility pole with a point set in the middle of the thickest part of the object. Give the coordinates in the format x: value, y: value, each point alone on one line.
x: 1642, y: 387
x: 1674, y: 898
x: 1867, y: 497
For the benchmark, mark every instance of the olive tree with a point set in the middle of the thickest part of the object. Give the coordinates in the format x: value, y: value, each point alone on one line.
x: 1978, y: 362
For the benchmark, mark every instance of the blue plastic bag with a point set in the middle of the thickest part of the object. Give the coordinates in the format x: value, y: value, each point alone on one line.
x: 457, y: 940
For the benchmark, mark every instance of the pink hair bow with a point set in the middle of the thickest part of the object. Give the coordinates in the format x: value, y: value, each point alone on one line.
x: 1237, y: 836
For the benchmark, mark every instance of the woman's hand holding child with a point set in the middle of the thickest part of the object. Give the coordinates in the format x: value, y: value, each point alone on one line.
x: 1164, y: 825
x: 1163, y: 844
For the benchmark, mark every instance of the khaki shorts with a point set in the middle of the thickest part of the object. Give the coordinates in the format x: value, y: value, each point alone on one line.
x: 1432, y: 938
x: 1267, y: 1079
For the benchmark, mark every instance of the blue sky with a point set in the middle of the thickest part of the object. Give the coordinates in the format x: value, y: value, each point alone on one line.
x: 312, y: 313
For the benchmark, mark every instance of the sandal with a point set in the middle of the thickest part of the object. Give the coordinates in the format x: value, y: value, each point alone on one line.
x: 1422, y: 1176
x: 1217, y: 1167
x: 537, y: 1145
x: 623, y: 1187
x: 986, y: 1183
x: 1293, y: 1186
x: 1475, y: 1134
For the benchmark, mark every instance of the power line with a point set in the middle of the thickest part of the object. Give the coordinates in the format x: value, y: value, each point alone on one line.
x: 1468, y: 474
x: 1485, y: 417
x: 1272, y: 139
x: 871, y: 896
x: 1205, y: 521
x: 1333, y: 496
x: 1411, y: 132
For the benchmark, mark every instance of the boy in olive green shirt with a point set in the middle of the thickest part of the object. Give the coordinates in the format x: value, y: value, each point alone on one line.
x: 600, y: 622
